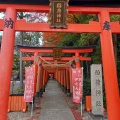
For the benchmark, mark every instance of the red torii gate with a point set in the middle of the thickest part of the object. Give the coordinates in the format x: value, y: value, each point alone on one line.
x: 109, y: 67
x: 75, y: 50
x: 36, y: 50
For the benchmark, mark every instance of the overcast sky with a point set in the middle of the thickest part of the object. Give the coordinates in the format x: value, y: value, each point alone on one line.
x: 1, y: 15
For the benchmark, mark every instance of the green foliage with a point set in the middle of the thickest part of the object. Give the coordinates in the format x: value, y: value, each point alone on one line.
x: 70, y: 40
x: 87, y: 39
x: 29, y: 38
x: 16, y: 62
x: 114, y: 18
x: 77, y: 39
x: 96, y: 56
x: 86, y: 88
x: 85, y: 18
x: 18, y: 91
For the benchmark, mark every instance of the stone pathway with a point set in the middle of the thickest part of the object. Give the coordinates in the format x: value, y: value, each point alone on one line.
x: 54, y: 105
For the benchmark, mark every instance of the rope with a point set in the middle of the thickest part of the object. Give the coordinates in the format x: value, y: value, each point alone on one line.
x: 76, y: 59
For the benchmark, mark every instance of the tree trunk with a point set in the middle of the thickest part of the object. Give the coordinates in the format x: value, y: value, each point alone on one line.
x: 21, y: 64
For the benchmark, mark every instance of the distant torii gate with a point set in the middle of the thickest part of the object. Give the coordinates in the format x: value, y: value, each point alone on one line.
x: 104, y: 27
x: 36, y: 50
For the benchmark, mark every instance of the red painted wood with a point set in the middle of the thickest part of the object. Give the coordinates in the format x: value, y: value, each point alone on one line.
x: 44, y: 27
x: 7, y: 50
x: 38, y: 78
x: 67, y: 79
x: 84, y: 50
x: 109, y: 68
x: 41, y: 79
x: 62, y: 59
x: 77, y: 62
x: 35, y: 72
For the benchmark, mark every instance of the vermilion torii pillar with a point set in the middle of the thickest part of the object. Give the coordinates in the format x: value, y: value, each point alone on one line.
x: 7, y: 50
x: 109, y: 68
x: 78, y: 62
x: 35, y: 73
x: 62, y: 81
x: 39, y: 78
x: 68, y: 81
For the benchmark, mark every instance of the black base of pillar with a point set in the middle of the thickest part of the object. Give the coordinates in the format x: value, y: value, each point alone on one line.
x: 65, y: 90
x: 37, y: 94
x: 68, y: 92
x: 33, y: 101
x: 71, y: 95
x: 59, y: 84
x: 62, y: 87
x: 43, y: 88
x: 40, y: 93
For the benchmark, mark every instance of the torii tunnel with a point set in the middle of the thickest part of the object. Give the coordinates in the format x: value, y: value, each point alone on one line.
x: 60, y: 68
x: 108, y: 60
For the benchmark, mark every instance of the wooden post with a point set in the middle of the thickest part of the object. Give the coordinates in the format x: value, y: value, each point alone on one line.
x: 35, y: 73
x: 71, y: 87
x: 60, y: 78
x: 67, y: 81
x: 46, y: 77
x: 41, y: 81
x: 38, y: 79
x: 62, y: 81
x: 7, y: 51
x: 43, y: 88
x: 78, y: 62
x: 55, y: 74
x: 109, y: 68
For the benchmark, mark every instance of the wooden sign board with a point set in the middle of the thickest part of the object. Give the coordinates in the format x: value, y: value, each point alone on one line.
x: 57, y: 53
x: 58, y: 13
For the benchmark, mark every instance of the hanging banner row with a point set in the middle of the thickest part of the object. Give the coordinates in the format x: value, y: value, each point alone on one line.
x: 77, y: 81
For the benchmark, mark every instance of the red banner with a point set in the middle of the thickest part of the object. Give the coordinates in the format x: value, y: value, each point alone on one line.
x: 29, y: 84
x: 77, y: 78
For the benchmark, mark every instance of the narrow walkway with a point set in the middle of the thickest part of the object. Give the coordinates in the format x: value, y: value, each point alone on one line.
x: 54, y: 106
